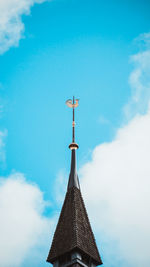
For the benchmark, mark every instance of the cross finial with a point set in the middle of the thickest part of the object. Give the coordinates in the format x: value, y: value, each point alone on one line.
x: 73, y: 104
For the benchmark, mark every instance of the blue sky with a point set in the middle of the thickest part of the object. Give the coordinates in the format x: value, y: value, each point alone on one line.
x: 67, y: 48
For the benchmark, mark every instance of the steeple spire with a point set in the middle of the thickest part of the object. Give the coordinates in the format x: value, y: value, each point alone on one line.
x: 73, y: 243
x: 73, y: 177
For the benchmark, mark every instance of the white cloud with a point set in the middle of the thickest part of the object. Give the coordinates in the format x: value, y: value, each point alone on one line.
x: 11, y: 25
x: 116, y: 187
x: 23, y: 227
x: 116, y: 182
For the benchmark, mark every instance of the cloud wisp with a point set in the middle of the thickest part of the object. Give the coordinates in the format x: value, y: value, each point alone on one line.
x: 11, y: 25
x: 116, y: 181
x: 139, y: 79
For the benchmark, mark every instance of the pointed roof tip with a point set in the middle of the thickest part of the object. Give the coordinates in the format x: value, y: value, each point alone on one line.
x: 73, y: 177
x: 73, y: 231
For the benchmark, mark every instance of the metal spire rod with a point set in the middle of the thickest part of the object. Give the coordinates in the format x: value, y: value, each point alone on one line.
x: 73, y: 125
x: 73, y: 104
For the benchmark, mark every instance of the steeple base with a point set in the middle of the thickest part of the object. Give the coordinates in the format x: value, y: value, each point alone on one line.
x: 75, y: 261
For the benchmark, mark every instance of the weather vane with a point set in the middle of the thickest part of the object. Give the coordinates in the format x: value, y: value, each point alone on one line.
x: 73, y: 104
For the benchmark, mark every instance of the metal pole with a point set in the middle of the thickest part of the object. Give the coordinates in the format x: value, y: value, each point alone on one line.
x: 73, y: 124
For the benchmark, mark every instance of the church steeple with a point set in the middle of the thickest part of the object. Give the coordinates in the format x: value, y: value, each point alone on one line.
x: 73, y: 242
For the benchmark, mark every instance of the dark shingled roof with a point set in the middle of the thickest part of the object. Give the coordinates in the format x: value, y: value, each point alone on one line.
x: 73, y: 229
